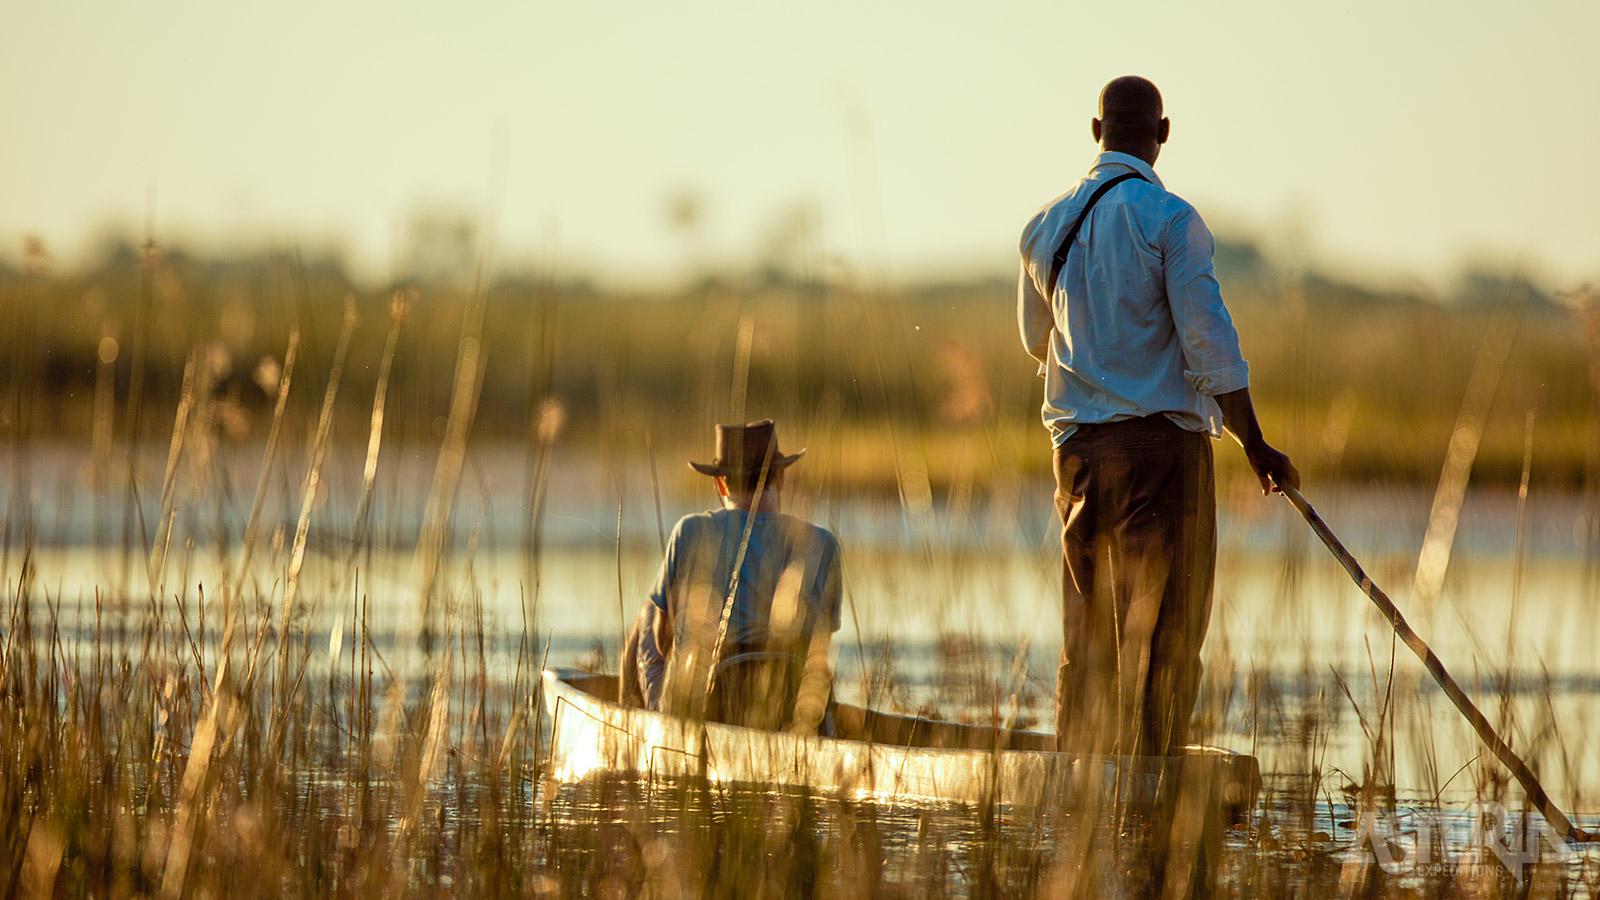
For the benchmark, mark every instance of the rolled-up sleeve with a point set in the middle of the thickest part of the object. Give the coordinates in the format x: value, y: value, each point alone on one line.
x: 1213, y: 363
x: 1035, y: 318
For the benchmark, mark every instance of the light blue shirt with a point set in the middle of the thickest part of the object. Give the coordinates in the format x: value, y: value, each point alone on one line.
x: 1135, y: 325
x: 698, y: 567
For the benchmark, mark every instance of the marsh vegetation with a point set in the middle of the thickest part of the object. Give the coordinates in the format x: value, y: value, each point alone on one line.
x: 283, y: 559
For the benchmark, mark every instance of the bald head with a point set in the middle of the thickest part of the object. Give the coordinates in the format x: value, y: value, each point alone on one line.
x: 1130, y: 119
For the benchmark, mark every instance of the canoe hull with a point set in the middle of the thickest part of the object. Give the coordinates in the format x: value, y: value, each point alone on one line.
x: 592, y: 735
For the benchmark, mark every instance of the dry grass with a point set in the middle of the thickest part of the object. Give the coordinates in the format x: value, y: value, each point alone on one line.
x: 218, y: 721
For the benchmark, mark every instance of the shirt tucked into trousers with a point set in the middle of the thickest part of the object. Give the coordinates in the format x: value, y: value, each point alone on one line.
x: 1134, y: 342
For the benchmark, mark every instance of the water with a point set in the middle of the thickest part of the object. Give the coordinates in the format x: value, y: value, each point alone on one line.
x: 947, y: 850
x: 954, y: 611
x: 960, y: 635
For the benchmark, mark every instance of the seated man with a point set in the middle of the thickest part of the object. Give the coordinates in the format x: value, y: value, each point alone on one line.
x: 746, y: 601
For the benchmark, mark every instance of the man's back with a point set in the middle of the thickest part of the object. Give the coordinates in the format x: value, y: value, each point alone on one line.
x: 1138, y: 326
x: 788, y: 584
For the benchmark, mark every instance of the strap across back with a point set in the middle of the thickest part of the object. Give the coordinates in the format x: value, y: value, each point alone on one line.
x: 1060, y: 259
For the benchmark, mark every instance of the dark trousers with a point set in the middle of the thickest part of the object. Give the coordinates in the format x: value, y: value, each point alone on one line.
x: 1138, y: 539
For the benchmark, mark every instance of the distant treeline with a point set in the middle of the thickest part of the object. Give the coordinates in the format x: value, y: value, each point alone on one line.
x: 1359, y: 383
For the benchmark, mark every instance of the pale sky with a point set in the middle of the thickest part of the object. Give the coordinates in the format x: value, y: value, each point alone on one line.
x: 1384, y: 137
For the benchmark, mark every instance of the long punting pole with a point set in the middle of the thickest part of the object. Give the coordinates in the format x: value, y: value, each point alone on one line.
x: 1430, y: 660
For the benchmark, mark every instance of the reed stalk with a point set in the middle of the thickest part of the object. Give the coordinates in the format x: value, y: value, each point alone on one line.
x: 264, y: 480
x: 310, y: 489
x: 1434, y: 559
x: 464, y: 394
x: 362, y: 533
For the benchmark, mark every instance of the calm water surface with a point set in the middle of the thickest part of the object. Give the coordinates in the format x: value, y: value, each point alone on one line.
x: 955, y: 612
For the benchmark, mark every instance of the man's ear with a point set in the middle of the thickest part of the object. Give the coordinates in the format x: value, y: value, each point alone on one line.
x: 1163, y: 130
x: 722, y: 486
x: 1094, y: 128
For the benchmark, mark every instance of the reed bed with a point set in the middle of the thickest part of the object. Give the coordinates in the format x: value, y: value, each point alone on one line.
x: 139, y: 764
x: 290, y: 679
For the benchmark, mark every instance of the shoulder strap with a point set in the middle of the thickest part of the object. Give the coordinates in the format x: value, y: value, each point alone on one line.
x: 1060, y: 258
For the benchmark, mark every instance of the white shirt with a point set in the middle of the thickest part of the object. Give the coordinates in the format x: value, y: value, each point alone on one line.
x: 1135, y: 325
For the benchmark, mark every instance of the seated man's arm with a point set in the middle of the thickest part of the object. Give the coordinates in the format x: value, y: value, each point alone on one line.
x: 653, y: 669
x: 652, y: 663
x: 816, y: 685
x: 811, y: 704
x: 663, y: 632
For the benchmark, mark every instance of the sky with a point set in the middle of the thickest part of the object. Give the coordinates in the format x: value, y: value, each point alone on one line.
x: 1383, y: 139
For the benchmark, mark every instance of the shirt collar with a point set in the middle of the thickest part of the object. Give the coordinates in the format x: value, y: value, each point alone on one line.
x: 1128, y: 160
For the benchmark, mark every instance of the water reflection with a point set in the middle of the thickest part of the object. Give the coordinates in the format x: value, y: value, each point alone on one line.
x: 632, y: 834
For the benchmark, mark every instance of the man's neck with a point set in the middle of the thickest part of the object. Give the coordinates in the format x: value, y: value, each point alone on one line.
x: 769, y: 502
x: 1148, y: 153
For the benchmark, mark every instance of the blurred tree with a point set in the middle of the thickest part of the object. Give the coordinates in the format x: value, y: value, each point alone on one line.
x: 441, y: 247
x: 1484, y: 288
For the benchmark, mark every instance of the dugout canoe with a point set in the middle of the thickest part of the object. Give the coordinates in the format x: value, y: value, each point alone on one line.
x: 874, y: 756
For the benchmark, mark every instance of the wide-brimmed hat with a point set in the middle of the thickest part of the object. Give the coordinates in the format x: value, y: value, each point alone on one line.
x: 745, y: 448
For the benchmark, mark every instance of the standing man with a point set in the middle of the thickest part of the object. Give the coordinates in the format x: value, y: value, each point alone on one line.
x: 1118, y: 302
x: 746, y: 591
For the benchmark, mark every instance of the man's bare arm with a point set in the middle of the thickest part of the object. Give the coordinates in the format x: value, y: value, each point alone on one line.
x: 1270, y: 465
x: 811, y: 704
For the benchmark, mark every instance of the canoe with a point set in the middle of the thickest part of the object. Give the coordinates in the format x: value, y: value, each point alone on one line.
x: 873, y: 756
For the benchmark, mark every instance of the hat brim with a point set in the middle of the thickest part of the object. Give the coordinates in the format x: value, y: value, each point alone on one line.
x: 781, y: 462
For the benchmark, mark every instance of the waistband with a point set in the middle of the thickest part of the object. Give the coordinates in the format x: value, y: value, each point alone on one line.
x: 1143, y: 423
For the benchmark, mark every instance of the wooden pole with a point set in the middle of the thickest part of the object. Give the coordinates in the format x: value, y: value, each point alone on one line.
x: 1530, y: 783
